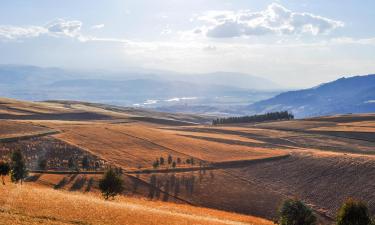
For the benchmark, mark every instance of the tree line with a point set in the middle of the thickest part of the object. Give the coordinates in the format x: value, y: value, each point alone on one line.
x: 282, y: 115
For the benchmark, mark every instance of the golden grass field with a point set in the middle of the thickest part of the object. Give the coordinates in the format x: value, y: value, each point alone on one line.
x: 323, y: 156
x: 29, y: 204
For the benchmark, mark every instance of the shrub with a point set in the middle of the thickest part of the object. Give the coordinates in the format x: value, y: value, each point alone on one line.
x: 295, y: 212
x: 4, y: 170
x: 17, y: 166
x: 353, y: 212
x: 111, y: 184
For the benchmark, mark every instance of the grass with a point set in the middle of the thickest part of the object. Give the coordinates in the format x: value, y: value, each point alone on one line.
x: 28, y: 204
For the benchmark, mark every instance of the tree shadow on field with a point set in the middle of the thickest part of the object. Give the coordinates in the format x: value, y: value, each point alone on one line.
x: 32, y: 178
x: 61, y: 183
x: 90, y: 183
x: 78, y: 184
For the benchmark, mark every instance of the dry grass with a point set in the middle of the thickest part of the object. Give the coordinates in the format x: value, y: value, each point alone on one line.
x: 10, y: 129
x: 34, y: 205
x: 137, y: 144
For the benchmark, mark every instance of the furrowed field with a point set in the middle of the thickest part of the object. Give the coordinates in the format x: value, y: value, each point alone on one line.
x: 242, y: 168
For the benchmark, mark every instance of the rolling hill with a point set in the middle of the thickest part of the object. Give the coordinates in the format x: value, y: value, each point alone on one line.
x: 345, y: 95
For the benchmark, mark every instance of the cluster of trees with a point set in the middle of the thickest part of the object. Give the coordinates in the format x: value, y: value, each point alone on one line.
x: 352, y: 212
x: 283, y: 115
x: 16, y: 167
x: 169, y: 161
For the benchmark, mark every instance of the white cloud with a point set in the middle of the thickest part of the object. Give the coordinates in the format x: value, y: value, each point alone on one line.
x: 56, y: 28
x: 66, y: 28
x: 98, y: 26
x: 276, y: 19
x: 13, y: 32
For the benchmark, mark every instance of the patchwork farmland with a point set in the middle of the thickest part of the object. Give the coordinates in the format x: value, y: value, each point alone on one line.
x: 243, y: 168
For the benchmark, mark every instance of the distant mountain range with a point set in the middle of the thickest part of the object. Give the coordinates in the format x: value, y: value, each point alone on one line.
x: 221, y: 93
x: 345, y: 95
x: 212, y: 93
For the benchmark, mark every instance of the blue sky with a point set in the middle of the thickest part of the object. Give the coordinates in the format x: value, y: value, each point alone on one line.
x: 297, y: 43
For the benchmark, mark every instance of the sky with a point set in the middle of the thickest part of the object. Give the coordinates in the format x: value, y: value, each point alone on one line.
x: 296, y: 43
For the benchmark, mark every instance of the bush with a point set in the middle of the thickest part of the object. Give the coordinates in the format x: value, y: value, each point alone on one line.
x: 4, y: 170
x: 111, y: 184
x: 295, y: 212
x: 353, y: 212
x: 18, y: 167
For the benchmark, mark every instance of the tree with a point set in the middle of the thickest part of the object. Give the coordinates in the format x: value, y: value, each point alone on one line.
x: 17, y: 166
x: 174, y: 164
x: 111, y: 184
x: 295, y: 212
x: 161, y: 161
x: 155, y: 164
x: 178, y: 160
x: 170, y: 159
x: 353, y: 212
x: 42, y: 164
x: 4, y: 170
x: 85, y: 162
x: 71, y: 163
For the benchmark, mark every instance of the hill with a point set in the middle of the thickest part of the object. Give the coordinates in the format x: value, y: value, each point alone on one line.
x: 242, y: 168
x: 345, y: 95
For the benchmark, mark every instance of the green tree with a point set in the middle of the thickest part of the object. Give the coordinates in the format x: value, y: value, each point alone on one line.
x: 85, y: 162
x: 161, y: 161
x: 295, y: 212
x: 353, y: 212
x: 17, y: 167
x: 71, y: 163
x: 155, y: 164
x: 4, y: 170
x: 111, y: 184
x: 42, y: 164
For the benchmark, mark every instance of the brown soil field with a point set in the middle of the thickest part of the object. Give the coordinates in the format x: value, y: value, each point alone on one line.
x: 324, y: 180
x: 28, y: 204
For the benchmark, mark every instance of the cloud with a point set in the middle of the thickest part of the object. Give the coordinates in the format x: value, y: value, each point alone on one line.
x: 275, y: 19
x: 66, y: 28
x: 56, y: 28
x: 98, y: 26
x: 13, y: 32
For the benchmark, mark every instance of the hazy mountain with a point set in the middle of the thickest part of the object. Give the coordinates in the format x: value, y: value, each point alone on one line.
x: 240, y: 80
x: 345, y: 95
x: 204, y: 93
